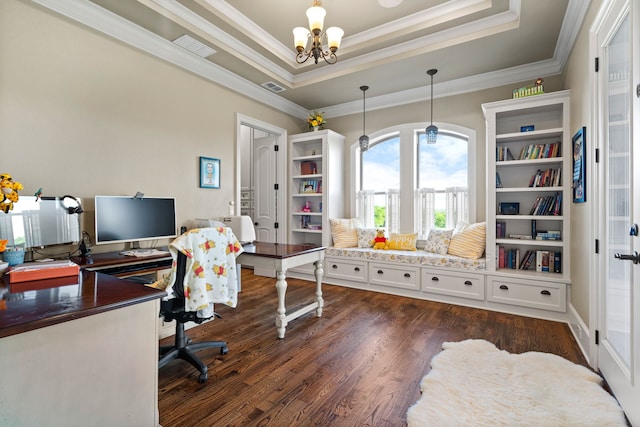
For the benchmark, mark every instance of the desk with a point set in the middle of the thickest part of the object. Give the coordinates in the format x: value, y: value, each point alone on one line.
x: 67, y: 348
x: 281, y: 257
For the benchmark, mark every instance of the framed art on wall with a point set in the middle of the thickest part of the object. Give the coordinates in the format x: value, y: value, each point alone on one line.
x: 209, y: 172
x: 579, y: 166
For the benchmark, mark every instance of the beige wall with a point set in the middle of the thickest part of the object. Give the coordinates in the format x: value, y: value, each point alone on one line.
x: 579, y: 77
x: 83, y: 114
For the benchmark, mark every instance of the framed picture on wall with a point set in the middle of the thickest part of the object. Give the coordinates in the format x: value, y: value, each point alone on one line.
x: 579, y: 166
x: 209, y: 172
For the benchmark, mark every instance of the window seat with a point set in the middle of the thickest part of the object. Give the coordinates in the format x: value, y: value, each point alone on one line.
x: 419, y: 258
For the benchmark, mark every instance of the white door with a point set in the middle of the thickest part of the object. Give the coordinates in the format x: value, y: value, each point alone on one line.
x: 619, y: 204
x: 265, y: 168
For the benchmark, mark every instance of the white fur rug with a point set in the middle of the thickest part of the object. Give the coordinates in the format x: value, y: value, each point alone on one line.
x: 472, y: 383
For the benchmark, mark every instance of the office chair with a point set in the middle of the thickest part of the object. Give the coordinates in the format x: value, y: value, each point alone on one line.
x: 174, y: 309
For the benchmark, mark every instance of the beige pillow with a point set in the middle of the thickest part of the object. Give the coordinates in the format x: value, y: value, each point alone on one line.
x: 343, y: 232
x: 402, y: 242
x: 468, y: 241
x: 438, y: 240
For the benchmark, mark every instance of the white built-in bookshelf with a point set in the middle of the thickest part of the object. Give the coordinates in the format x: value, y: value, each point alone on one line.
x: 529, y: 197
x: 315, y: 185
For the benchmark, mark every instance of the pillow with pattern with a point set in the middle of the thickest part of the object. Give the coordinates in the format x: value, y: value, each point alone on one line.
x: 468, y: 241
x: 402, y: 242
x: 438, y: 240
x: 343, y: 232
x: 365, y: 237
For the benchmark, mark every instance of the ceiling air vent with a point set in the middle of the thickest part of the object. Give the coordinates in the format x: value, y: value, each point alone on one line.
x: 193, y: 45
x: 273, y: 87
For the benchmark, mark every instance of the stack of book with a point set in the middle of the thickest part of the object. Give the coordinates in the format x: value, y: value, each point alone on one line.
x: 540, y: 151
x: 540, y: 260
x: 548, y: 235
x: 548, y: 178
x: 549, y: 205
x: 503, y: 153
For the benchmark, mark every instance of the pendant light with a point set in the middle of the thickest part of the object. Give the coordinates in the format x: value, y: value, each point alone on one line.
x: 364, y: 139
x: 432, y: 131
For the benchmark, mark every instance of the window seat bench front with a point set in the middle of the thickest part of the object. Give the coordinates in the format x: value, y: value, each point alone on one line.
x: 443, y: 278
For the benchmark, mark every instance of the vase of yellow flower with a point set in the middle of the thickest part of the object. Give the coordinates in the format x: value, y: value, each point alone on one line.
x: 316, y: 121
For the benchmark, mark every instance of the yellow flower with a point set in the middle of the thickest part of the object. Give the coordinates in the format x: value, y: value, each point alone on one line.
x: 3, y: 245
x: 316, y: 119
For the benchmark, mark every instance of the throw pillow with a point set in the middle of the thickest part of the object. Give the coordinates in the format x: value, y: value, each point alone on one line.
x: 343, y: 232
x: 468, y: 241
x: 365, y: 236
x: 403, y: 242
x: 438, y: 240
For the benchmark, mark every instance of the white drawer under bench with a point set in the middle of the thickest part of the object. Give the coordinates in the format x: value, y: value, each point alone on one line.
x: 528, y: 293
x: 466, y: 285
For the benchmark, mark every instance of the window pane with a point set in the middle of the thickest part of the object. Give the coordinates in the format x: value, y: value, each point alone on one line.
x: 381, y: 173
x: 443, y: 166
x: 381, y: 165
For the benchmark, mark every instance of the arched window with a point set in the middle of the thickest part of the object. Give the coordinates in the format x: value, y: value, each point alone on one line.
x: 404, y: 184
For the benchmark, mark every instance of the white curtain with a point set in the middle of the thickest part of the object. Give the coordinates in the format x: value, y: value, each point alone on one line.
x: 457, y: 203
x: 364, y: 207
x: 393, y: 210
x: 425, y: 203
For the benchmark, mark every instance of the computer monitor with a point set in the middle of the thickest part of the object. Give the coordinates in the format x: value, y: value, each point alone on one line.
x: 41, y: 222
x: 126, y: 219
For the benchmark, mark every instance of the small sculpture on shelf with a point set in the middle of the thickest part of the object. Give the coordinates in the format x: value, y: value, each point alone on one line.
x: 307, y: 207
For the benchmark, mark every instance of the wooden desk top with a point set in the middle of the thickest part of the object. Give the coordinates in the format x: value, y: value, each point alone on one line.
x: 279, y: 250
x: 27, y: 306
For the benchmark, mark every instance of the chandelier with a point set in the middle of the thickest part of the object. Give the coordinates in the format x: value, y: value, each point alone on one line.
x: 431, y: 130
x: 332, y: 36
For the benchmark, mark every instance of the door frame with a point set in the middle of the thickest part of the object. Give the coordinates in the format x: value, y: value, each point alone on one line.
x: 281, y: 138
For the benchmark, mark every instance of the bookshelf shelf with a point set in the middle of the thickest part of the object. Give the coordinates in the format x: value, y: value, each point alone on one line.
x: 521, y: 159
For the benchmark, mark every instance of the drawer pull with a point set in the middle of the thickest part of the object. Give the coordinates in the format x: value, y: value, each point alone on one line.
x: 357, y: 269
x: 334, y: 266
x: 468, y: 282
x: 434, y: 279
x: 380, y: 271
x: 407, y: 275
x: 545, y: 292
x: 504, y: 287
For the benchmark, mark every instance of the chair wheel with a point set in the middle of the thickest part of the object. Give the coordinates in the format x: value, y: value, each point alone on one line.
x: 203, y: 378
x: 224, y: 350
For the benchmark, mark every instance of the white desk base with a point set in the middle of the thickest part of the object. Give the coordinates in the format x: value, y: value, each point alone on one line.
x: 281, y: 265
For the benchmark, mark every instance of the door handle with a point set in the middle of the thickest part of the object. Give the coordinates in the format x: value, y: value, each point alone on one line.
x: 633, y: 257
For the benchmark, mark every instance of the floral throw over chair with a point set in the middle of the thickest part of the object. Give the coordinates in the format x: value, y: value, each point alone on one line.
x: 203, y: 273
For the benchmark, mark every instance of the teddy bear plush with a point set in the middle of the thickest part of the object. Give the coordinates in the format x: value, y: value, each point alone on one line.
x: 380, y: 241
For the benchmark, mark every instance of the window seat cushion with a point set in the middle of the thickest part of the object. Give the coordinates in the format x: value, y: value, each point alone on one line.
x: 419, y: 258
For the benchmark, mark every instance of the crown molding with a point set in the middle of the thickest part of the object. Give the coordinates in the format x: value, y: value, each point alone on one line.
x: 112, y: 25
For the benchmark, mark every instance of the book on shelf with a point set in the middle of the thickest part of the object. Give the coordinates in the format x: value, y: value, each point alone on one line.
x: 547, y: 178
x: 308, y: 168
x: 503, y: 153
x: 539, y: 260
x: 548, y: 235
x: 547, y: 205
x: 501, y: 229
x: 498, y: 181
x: 539, y: 151
x: 520, y: 236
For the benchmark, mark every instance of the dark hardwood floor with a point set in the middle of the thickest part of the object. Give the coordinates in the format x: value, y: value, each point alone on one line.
x: 360, y: 364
